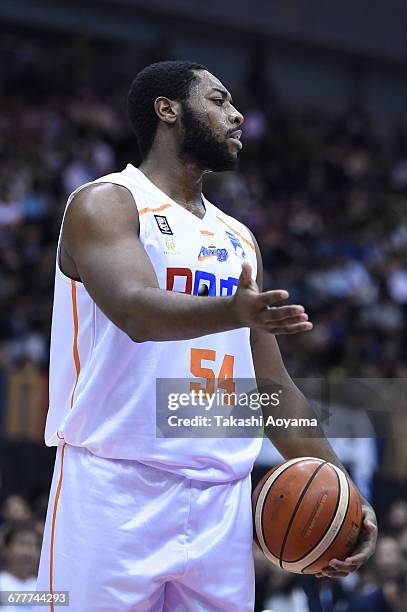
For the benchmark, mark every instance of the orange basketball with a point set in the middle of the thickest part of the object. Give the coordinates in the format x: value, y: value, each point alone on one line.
x: 306, y: 512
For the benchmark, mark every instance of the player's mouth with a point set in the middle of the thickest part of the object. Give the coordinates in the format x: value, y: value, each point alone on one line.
x: 235, y: 138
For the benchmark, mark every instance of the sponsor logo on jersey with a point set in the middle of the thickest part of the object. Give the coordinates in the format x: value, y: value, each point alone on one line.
x: 236, y: 244
x: 163, y: 224
x: 170, y: 244
x: 207, y: 252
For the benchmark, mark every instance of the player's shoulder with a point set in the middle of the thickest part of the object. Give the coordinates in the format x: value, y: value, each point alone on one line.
x: 119, y: 184
x: 99, y: 208
x: 94, y: 197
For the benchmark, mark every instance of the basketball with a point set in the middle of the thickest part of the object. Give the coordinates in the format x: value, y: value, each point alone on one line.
x: 306, y: 512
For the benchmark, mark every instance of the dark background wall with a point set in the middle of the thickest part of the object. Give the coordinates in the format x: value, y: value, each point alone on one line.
x: 348, y: 52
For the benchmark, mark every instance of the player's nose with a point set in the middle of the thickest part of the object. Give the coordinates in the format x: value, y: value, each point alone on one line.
x: 236, y: 118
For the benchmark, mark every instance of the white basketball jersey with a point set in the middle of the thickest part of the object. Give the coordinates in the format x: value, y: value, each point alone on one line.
x: 103, y: 385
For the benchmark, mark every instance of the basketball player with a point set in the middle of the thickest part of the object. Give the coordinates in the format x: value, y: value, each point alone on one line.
x: 135, y: 521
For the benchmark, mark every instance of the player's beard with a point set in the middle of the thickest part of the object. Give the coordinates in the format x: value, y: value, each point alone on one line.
x: 200, y: 146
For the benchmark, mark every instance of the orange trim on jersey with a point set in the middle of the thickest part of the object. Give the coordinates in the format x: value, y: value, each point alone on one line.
x: 251, y: 245
x: 54, y: 515
x: 75, y: 338
x: 75, y: 343
x: 207, y: 233
x: 203, y: 257
x: 158, y: 209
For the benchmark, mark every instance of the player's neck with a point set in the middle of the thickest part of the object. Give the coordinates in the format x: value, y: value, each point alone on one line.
x: 180, y: 181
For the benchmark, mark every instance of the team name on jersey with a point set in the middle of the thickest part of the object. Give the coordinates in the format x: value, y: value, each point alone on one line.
x: 185, y: 280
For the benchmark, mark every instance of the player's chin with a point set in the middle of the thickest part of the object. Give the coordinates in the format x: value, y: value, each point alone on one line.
x: 227, y: 165
x: 232, y: 158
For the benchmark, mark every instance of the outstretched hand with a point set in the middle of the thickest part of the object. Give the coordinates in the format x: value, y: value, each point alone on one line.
x: 256, y: 310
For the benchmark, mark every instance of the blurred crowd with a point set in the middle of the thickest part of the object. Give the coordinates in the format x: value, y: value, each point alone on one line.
x: 380, y: 586
x: 21, y: 531
x: 326, y: 197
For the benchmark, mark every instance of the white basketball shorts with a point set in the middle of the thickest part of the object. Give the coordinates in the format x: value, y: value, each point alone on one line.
x: 121, y: 536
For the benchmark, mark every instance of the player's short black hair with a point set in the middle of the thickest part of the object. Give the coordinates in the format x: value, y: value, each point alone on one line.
x: 171, y: 79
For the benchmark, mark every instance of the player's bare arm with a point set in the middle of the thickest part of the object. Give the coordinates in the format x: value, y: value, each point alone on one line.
x: 100, y: 235
x: 269, y: 366
x: 136, y: 290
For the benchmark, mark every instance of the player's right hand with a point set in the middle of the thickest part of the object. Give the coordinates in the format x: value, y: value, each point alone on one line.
x: 256, y: 310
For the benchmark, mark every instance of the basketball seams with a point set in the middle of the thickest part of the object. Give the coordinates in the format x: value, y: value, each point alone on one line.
x: 258, y: 512
x: 338, y: 531
x: 259, y: 509
x: 297, y: 507
x: 329, y: 522
x: 273, y: 482
x: 332, y: 532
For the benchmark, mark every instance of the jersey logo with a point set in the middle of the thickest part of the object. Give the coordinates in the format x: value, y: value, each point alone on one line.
x: 185, y: 280
x: 212, y: 251
x: 170, y: 244
x: 236, y: 244
x: 163, y: 224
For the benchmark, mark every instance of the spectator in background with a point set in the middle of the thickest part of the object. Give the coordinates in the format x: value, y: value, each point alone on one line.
x: 397, y: 517
x: 403, y: 543
x: 395, y: 593
x: 284, y: 592
x: 21, y: 544
x: 11, y: 209
x: 383, y: 580
x: 15, y: 508
x: 324, y: 195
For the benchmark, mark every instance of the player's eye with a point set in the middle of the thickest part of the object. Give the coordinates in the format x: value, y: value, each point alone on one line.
x: 219, y: 101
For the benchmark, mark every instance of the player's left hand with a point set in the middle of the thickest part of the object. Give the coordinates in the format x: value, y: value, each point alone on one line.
x: 365, y: 547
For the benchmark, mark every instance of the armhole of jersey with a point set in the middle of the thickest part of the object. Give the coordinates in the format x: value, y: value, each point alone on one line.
x: 252, y: 238
x: 249, y: 237
x: 62, y: 275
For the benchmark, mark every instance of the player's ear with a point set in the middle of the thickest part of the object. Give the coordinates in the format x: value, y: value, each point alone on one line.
x: 167, y: 110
